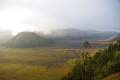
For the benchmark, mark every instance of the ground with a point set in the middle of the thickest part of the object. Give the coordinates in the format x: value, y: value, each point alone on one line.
x: 44, y: 63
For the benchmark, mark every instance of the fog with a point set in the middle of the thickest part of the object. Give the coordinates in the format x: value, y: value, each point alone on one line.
x: 45, y: 15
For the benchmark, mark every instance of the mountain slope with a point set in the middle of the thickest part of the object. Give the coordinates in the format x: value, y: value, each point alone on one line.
x: 77, y: 34
x: 114, y: 76
x: 5, y: 35
x: 113, y: 38
x: 27, y: 40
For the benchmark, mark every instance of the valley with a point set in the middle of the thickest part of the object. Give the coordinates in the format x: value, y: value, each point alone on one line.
x: 30, y: 56
x: 46, y: 63
x: 33, y: 64
x: 59, y: 39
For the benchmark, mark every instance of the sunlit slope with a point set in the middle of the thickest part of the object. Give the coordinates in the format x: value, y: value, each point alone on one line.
x: 114, y: 76
x: 27, y: 40
x: 113, y: 38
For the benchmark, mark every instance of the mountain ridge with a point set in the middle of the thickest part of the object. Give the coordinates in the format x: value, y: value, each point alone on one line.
x: 77, y: 34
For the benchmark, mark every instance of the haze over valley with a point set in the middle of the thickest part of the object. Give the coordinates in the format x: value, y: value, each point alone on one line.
x: 59, y: 39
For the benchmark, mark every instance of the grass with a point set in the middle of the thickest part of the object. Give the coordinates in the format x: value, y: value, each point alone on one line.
x: 44, y: 63
x: 34, y: 64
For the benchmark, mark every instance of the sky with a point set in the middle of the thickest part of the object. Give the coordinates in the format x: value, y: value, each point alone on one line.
x: 45, y: 15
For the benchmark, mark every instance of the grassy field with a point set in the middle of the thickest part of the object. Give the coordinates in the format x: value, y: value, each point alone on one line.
x: 45, y: 63
x: 34, y: 64
x: 79, y: 43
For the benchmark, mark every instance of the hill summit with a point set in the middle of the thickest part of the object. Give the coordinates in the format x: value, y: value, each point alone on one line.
x: 27, y: 40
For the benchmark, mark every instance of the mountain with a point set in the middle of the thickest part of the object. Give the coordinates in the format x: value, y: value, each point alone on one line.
x: 77, y: 34
x: 113, y: 38
x: 5, y: 32
x: 27, y: 40
x: 5, y: 38
x: 5, y: 35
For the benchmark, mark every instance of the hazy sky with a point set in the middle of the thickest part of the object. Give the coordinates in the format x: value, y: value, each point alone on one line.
x: 19, y: 15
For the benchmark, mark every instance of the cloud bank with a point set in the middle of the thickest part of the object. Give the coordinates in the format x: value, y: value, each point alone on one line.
x: 56, y: 14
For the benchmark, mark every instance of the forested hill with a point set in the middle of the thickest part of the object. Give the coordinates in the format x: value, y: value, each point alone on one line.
x: 103, y: 63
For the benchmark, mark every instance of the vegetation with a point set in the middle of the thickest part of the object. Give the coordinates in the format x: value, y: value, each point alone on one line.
x: 52, y: 63
x: 44, y: 63
x: 114, y: 76
x: 27, y: 40
x: 103, y: 63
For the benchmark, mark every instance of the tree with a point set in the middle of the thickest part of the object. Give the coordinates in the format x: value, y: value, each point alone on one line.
x: 103, y: 63
x: 86, y: 61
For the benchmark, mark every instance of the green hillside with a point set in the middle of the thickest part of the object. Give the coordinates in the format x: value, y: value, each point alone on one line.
x: 102, y: 64
x: 27, y: 40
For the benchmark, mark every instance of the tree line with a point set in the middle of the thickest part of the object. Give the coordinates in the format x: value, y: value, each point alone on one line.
x: 103, y: 63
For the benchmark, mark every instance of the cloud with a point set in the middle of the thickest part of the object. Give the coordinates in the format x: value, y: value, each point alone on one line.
x: 55, y: 14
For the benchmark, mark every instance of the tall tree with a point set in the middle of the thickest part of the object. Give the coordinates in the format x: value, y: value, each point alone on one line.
x: 86, y: 45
